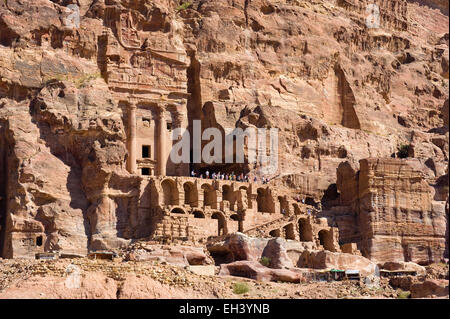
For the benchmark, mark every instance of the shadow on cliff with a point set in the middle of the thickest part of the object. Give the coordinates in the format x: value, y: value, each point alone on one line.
x: 57, y: 144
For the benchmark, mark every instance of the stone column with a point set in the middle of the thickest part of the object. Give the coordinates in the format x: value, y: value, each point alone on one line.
x: 132, y: 164
x: 161, y: 158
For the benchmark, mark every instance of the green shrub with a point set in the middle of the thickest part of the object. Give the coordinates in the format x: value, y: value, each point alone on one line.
x: 184, y: 6
x: 265, y: 261
x: 240, y: 288
x: 403, y: 295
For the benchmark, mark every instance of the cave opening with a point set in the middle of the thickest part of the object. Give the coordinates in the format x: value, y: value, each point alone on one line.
x: 330, y: 196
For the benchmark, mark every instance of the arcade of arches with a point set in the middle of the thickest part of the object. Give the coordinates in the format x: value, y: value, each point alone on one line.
x: 195, y: 210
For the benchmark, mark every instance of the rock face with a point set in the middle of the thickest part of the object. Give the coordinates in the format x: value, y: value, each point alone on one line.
x: 64, y: 167
x: 394, y: 211
x: 86, y: 114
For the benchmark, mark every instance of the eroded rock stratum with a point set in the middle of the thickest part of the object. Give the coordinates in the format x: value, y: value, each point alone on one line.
x: 86, y: 115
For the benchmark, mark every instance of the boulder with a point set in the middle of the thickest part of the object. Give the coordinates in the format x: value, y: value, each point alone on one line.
x: 429, y: 288
x: 276, y: 251
x: 238, y: 246
x: 256, y: 271
x: 343, y: 261
x: 175, y: 255
x: 403, y: 266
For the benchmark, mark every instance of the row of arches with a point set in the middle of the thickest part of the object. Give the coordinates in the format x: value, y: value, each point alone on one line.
x: 233, y: 199
x: 222, y: 228
x: 171, y: 196
x: 288, y: 231
x: 325, y: 237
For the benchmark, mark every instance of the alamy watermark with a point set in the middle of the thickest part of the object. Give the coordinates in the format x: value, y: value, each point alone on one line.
x: 373, y: 16
x: 73, y: 18
x: 237, y: 140
x: 73, y: 279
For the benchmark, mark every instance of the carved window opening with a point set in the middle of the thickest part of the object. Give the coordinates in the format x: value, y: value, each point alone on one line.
x: 145, y: 171
x: 39, y: 241
x: 146, y: 151
x: 145, y: 122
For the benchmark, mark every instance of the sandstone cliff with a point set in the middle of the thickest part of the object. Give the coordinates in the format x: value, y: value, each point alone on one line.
x: 338, y: 91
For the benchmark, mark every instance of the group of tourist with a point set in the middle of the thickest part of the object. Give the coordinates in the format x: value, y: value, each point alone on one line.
x: 230, y: 177
x: 298, y: 200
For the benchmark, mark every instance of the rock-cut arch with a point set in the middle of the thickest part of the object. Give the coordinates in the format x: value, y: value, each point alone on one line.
x: 305, y: 230
x: 209, y: 196
x: 170, y: 192
x: 289, y: 231
x: 198, y: 214
x: 178, y: 210
x: 222, y: 223
x: 326, y: 240
x: 190, y: 194
x: 264, y: 201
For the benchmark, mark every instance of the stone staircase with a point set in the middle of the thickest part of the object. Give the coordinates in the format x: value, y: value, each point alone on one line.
x: 264, y: 229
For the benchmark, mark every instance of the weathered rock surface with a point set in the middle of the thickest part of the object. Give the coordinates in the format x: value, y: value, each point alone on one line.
x: 391, y: 211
